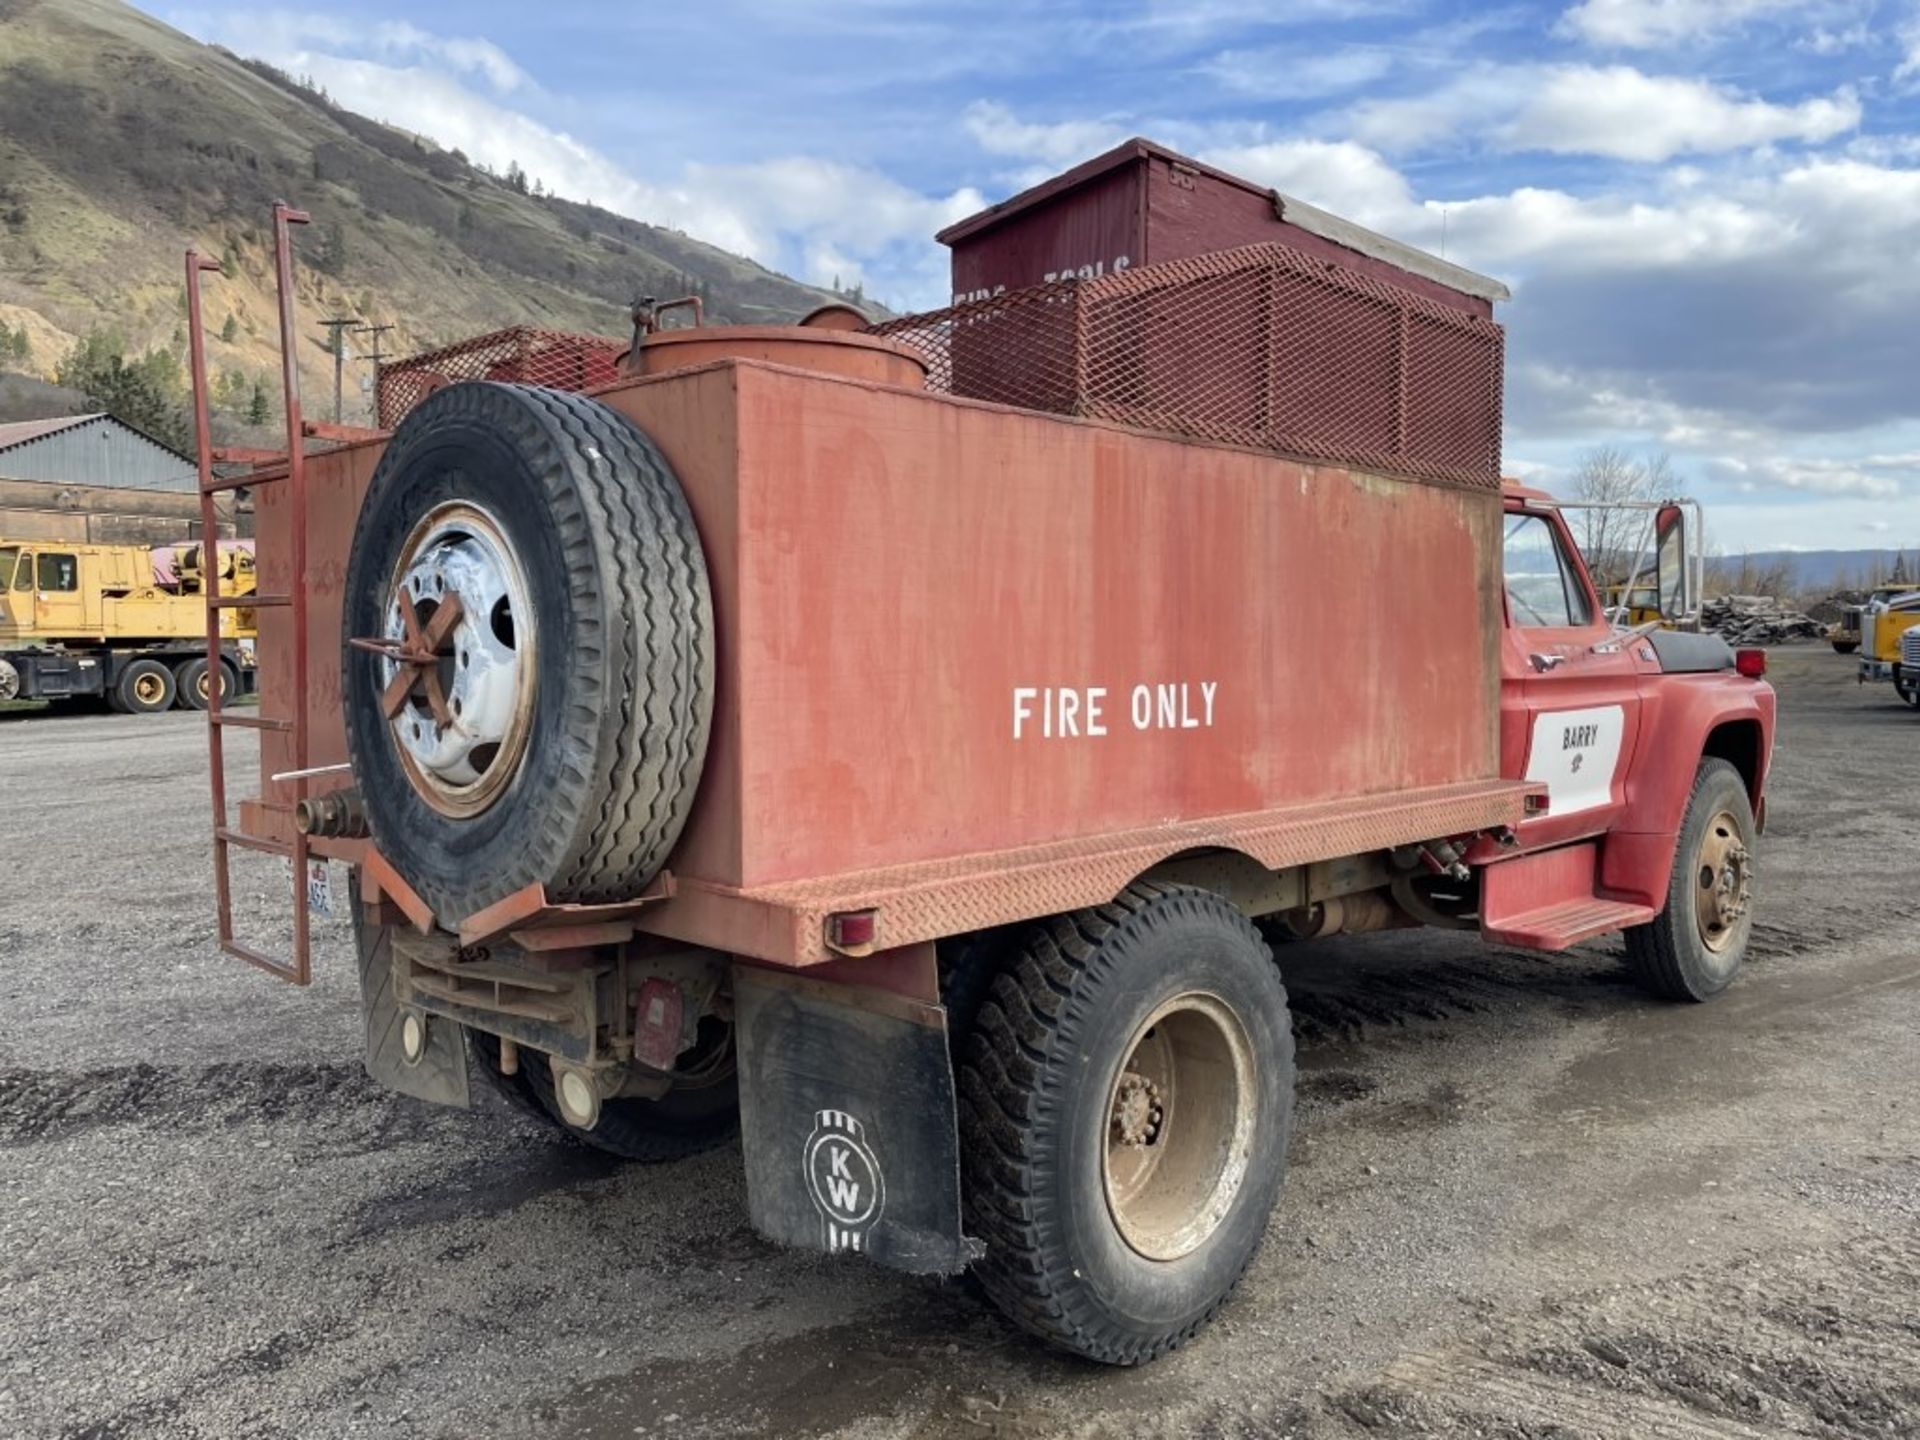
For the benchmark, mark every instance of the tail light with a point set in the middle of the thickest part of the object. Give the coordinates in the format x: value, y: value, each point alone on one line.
x: 1751, y: 663
x: 853, y: 932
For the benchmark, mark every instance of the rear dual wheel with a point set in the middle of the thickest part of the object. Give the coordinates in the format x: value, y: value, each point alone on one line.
x: 701, y: 1111
x: 1126, y: 1096
x: 195, y: 682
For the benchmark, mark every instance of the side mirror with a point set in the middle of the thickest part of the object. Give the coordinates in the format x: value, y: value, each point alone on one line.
x: 1670, y: 552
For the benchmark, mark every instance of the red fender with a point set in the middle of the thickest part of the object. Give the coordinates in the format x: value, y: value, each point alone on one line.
x: 1683, y: 719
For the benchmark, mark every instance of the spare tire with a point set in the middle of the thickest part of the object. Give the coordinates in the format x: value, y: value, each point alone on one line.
x: 557, y: 733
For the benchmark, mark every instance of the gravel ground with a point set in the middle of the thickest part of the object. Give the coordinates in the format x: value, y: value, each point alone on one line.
x: 1525, y: 1200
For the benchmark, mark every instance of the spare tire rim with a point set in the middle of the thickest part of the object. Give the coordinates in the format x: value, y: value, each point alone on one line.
x: 1180, y: 1112
x: 461, y: 725
x: 1723, y: 883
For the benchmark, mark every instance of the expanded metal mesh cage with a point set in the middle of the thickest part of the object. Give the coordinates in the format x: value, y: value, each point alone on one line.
x: 1262, y: 346
x: 524, y: 355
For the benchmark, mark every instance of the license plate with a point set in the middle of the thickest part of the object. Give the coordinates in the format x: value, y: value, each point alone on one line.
x: 319, y: 886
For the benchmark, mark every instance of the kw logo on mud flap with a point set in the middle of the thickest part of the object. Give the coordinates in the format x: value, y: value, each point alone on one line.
x: 844, y: 1179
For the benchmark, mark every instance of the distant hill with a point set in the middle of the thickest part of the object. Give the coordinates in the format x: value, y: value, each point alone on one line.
x: 122, y: 141
x: 1818, y: 572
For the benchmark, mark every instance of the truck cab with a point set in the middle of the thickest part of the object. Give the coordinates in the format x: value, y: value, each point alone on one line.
x: 1882, y: 624
x: 1619, y: 725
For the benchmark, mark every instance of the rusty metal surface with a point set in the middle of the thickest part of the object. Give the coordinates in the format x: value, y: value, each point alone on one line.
x: 830, y: 351
x: 530, y: 909
x: 785, y: 924
x: 524, y: 355
x: 290, y: 602
x: 1265, y: 346
x: 889, y: 566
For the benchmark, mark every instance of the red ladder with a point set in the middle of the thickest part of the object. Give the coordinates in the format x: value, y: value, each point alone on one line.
x: 298, y: 969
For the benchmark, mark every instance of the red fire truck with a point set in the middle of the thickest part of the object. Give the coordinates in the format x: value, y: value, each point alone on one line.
x: 897, y: 745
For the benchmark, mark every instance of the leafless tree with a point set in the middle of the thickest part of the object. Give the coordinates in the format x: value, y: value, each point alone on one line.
x: 1748, y: 574
x: 1613, y: 540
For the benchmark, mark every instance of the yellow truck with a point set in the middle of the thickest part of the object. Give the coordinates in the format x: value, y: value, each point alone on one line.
x: 124, y: 623
x: 1889, y: 612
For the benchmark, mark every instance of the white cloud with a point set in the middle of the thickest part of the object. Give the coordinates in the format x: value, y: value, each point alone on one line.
x: 1298, y: 73
x: 1909, y: 67
x: 1614, y: 111
x: 1619, y: 112
x: 998, y: 131
x: 1645, y: 24
x: 1880, y: 477
x: 1336, y: 175
x: 1823, y: 41
x: 808, y: 216
x: 267, y: 33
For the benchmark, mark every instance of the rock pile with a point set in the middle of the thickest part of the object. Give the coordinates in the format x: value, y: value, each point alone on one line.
x: 1757, y: 620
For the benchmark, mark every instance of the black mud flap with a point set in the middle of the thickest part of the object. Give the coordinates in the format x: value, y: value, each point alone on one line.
x: 440, y: 1075
x: 847, y: 1121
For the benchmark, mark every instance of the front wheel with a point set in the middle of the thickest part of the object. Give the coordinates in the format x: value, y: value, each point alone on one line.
x: 1693, y: 947
x: 1126, y: 1096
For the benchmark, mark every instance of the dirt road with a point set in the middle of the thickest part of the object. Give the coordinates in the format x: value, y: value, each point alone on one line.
x: 1525, y: 1200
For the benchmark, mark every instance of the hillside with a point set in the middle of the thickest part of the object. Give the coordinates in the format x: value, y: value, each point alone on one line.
x: 122, y: 141
x: 1814, y: 572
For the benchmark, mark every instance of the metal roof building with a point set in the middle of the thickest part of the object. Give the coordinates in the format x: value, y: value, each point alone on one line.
x: 91, y: 450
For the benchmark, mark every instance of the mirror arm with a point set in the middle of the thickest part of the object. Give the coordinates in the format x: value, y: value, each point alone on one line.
x: 1623, y: 638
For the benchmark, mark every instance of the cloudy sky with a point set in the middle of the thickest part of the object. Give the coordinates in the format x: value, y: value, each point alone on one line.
x: 1708, y: 210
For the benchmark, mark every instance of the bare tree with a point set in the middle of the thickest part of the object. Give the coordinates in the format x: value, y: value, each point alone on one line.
x: 1613, y: 540
x: 1748, y: 574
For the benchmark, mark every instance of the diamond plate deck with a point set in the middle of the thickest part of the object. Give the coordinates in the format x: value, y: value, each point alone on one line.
x: 785, y: 923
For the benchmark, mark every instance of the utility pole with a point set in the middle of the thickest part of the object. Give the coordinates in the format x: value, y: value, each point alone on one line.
x: 376, y: 355
x: 336, y: 342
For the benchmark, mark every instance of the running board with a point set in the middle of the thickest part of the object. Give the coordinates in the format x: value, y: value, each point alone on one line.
x: 1546, y: 901
x: 1556, y: 927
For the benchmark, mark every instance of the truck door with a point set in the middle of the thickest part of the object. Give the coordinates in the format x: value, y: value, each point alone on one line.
x: 1570, y: 702
x: 58, y: 606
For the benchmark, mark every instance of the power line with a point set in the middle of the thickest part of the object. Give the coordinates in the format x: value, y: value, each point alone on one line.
x: 337, y: 344
x: 376, y: 355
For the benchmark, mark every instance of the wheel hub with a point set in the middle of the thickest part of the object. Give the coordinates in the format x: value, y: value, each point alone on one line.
x: 456, y: 659
x: 1181, y: 1114
x: 1723, y: 892
x: 1139, y: 1110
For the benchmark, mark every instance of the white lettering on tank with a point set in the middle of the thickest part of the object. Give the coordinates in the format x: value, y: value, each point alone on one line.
x: 1079, y: 712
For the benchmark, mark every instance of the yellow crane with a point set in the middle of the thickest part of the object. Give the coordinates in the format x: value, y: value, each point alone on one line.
x: 126, y: 623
